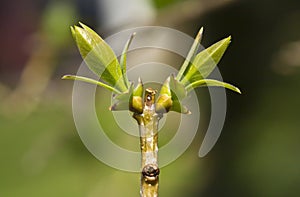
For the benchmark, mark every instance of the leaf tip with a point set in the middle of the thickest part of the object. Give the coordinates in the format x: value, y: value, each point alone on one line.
x: 81, y: 24
x: 73, y: 32
x: 201, y: 31
x: 229, y: 38
x: 66, y: 77
x: 130, y: 39
x: 199, y: 35
x: 140, y: 80
x: 238, y: 90
x: 72, y: 29
x: 233, y: 88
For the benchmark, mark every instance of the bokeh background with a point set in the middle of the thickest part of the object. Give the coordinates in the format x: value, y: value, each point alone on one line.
x: 257, y: 153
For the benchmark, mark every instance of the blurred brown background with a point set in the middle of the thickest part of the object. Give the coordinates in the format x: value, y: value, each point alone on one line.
x: 257, y: 153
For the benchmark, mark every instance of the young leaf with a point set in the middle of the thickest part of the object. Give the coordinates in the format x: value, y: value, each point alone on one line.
x: 178, y: 92
x: 190, y: 55
x: 177, y: 88
x: 123, y: 59
x: 121, y: 101
x: 211, y: 82
x: 92, y: 81
x: 99, y: 57
x: 177, y: 107
x: 205, y: 62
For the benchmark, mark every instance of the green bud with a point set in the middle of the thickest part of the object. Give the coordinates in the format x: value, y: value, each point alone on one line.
x: 136, y: 103
x: 164, y: 101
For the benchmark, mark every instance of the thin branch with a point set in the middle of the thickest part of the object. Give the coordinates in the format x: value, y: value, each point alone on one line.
x: 148, y: 127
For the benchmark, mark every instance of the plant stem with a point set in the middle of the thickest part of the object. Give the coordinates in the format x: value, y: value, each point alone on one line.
x: 148, y: 128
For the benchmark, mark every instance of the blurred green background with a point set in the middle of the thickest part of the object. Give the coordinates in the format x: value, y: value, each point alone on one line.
x: 257, y: 152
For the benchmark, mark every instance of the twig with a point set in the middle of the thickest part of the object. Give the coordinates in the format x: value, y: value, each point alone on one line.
x: 148, y: 127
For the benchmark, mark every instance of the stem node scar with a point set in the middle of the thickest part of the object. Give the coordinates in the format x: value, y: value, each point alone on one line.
x: 150, y: 173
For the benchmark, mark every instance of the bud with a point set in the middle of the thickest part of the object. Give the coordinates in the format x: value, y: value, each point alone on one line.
x: 164, y: 101
x: 136, y: 103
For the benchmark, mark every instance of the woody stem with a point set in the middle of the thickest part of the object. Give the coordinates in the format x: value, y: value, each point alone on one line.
x: 148, y: 128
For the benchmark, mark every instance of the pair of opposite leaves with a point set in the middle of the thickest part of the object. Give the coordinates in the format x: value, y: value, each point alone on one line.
x: 101, y: 59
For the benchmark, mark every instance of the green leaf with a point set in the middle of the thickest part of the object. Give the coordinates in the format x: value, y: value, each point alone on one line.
x: 123, y: 59
x: 211, y: 82
x: 73, y: 33
x: 99, y: 57
x: 205, y: 62
x: 177, y: 107
x: 121, y: 101
x: 178, y: 92
x: 177, y: 88
x: 190, y: 55
x: 92, y: 81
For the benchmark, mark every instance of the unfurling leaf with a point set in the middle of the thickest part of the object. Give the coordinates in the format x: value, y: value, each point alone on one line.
x: 121, y: 101
x: 212, y: 82
x: 178, y: 94
x: 205, y: 62
x: 196, y: 68
x: 92, y: 81
x: 177, y: 88
x: 123, y: 60
x: 99, y: 57
x: 190, y: 55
